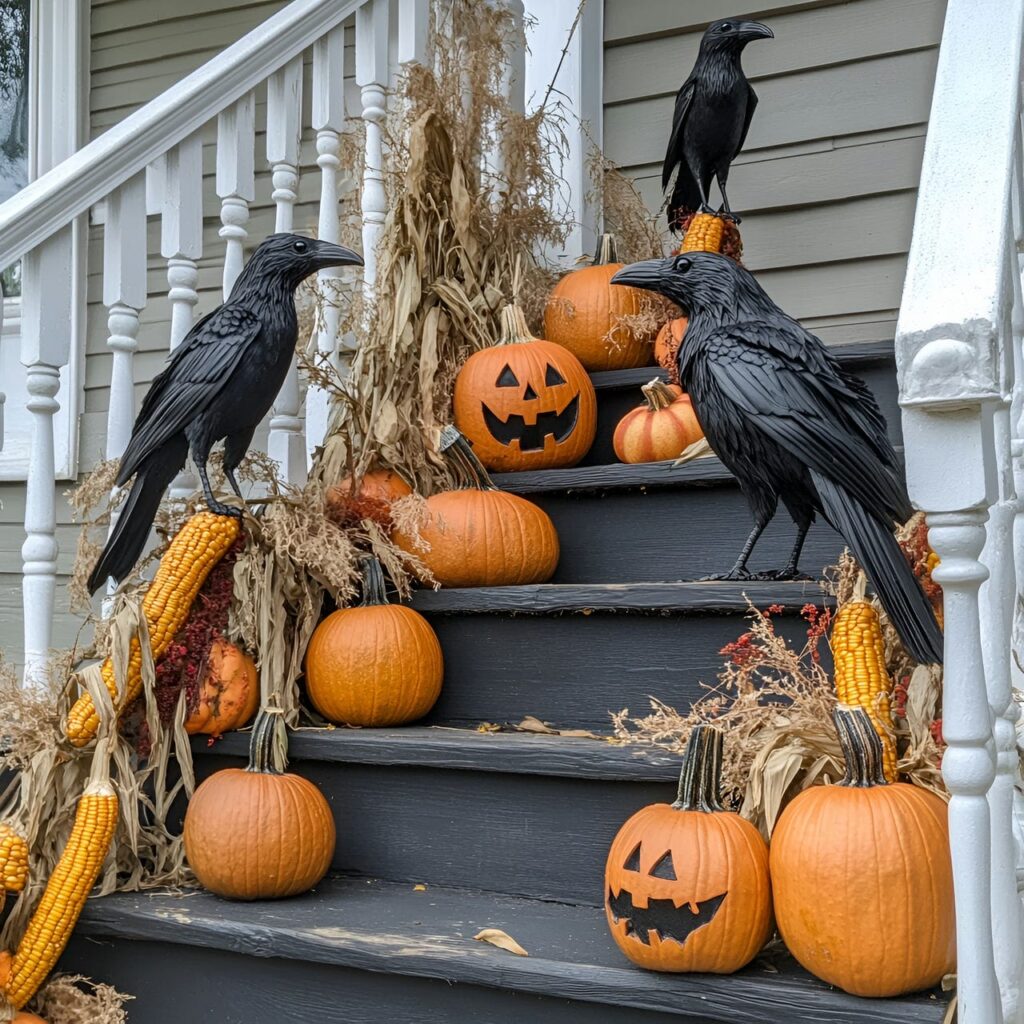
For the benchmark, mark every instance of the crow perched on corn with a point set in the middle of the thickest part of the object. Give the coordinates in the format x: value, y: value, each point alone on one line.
x: 713, y: 110
x: 219, y: 384
x: 791, y: 425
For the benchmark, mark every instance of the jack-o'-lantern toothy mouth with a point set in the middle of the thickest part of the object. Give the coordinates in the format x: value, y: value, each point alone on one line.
x: 531, y: 436
x: 663, y: 917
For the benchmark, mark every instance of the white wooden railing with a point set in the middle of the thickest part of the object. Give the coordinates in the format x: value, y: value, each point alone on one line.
x: 150, y: 165
x: 961, y: 367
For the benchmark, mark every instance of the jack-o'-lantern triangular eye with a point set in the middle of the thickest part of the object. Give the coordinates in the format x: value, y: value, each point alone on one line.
x: 633, y: 860
x: 664, y: 868
x: 553, y: 377
x: 507, y: 379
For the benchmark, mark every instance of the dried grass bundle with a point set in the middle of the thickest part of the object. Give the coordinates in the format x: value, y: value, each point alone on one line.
x: 73, y: 999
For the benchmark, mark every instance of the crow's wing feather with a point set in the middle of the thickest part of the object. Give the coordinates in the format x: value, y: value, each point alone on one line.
x: 196, y: 372
x: 674, y: 152
x: 789, y: 387
x: 751, y: 107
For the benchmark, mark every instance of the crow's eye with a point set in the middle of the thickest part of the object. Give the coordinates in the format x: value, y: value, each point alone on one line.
x: 300, y: 246
x: 726, y: 26
x: 682, y: 265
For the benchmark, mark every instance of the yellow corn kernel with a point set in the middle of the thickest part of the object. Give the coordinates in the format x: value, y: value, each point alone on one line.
x: 862, y: 679
x: 13, y: 860
x: 704, y: 234
x: 198, y: 546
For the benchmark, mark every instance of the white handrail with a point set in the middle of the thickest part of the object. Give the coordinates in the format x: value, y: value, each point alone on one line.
x: 56, y: 198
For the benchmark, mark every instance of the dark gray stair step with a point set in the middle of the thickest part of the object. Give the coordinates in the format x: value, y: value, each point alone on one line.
x: 618, y: 391
x: 464, y: 808
x: 359, y: 950
x: 572, y: 654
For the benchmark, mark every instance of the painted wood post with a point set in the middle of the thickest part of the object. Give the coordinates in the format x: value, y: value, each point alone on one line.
x: 284, y: 129
x: 236, y: 182
x: 513, y: 86
x: 45, y: 349
x: 181, y: 244
x: 328, y: 121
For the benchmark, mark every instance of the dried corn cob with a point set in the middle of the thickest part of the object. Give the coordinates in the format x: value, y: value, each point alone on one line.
x: 13, y: 860
x: 704, y: 234
x: 198, y: 546
x: 862, y: 679
x: 50, y: 927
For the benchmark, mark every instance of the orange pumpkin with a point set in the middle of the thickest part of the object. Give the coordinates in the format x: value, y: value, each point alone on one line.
x: 259, y: 832
x: 589, y: 315
x: 862, y: 876
x: 666, y: 346
x: 663, y: 428
x: 377, y: 490
x: 378, y: 664
x: 479, y: 536
x: 686, y: 884
x: 229, y: 693
x: 22, y: 1017
x: 525, y: 403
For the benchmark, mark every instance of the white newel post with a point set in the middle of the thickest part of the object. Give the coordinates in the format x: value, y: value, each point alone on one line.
x: 513, y: 89
x: 236, y: 181
x: 181, y: 244
x: 45, y: 348
x: 328, y: 121
x: 371, y: 77
x: 284, y: 129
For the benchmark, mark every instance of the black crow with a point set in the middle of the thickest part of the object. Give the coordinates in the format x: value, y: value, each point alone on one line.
x: 219, y: 383
x: 791, y: 424
x: 712, y: 115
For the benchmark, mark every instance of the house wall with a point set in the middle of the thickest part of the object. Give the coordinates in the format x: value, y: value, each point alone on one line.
x: 828, y: 180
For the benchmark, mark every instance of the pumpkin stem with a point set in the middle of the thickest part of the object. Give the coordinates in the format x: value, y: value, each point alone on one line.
x: 463, y: 459
x: 268, y: 745
x: 374, y: 588
x: 700, y: 778
x: 862, y: 748
x: 606, y: 251
x: 514, y: 328
x: 658, y: 395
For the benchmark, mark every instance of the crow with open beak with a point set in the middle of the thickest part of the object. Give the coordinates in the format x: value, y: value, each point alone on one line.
x: 712, y: 115
x: 791, y: 425
x: 218, y: 385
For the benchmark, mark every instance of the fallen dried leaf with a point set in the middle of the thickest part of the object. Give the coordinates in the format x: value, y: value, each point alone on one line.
x: 419, y: 888
x: 496, y: 937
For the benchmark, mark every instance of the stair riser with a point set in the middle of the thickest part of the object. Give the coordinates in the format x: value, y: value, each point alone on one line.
x: 494, y: 831
x: 572, y: 670
x: 229, y: 988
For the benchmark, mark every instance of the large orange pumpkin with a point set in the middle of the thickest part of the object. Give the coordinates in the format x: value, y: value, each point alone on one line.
x: 372, y: 498
x: 376, y: 665
x: 229, y: 693
x: 525, y: 403
x: 686, y: 884
x: 666, y: 347
x: 589, y: 315
x: 259, y: 832
x: 662, y: 428
x: 862, y: 876
x: 479, y: 536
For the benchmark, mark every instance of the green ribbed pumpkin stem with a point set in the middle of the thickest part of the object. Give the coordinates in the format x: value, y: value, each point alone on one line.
x: 374, y: 585
x: 700, y: 778
x: 606, y: 251
x: 460, y: 455
x: 862, y: 748
x: 268, y: 745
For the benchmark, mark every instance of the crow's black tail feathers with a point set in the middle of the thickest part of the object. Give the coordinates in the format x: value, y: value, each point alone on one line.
x: 875, y: 547
x: 128, y: 538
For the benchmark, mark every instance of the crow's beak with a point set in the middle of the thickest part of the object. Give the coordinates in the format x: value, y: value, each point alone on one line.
x: 330, y: 255
x: 748, y: 30
x: 649, y: 274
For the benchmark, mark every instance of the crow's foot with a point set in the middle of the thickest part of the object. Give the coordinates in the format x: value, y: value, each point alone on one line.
x: 729, y: 215
x: 732, y: 575
x: 789, y: 574
x: 218, y: 508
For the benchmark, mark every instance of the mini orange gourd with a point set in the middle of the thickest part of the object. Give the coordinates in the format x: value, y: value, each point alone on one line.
x: 377, y: 490
x: 662, y: 428
x: 378, y: 664
x: 525, y: 403
x: 686, y: 884
x: 259, y: 832
x: 479, y: 536
x: 229, y: 692
x: 666, y: 347
x: 590, y: 316
x: 862, y: 876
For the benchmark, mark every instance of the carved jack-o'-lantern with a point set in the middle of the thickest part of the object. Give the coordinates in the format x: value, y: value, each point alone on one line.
x: 525, y: 403
x: 686, y: 884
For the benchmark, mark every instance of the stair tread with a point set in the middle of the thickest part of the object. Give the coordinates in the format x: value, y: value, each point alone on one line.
x: 679, y: 596
x: 388, y: 927
x: 521, y: 753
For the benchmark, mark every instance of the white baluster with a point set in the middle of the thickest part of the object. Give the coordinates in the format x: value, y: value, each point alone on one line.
x: 328, y: 120
x: 236, y: 140
x: 371, y: 76
x: 181, y: 244
x: 284, y: 127
x: 3, y: 397
x: 45, y: 348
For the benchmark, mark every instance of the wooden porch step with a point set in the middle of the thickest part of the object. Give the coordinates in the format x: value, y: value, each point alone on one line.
x: 360, y: 949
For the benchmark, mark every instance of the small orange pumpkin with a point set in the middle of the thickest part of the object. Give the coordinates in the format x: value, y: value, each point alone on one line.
x: 525, y: 403
x: 23, y: 1017
x: 478, y: 536
x: 663, y: 428
x: 229, y: 693
x: 588, y: 315
x: 259, y: 832
x: 686, y: 884
x: 862, y: 876
x: 376, y: 665
x: 666, y: 346
x: 377, y: 491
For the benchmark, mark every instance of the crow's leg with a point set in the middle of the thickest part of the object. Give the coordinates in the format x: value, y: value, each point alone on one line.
x: 235, y: 447
x: 726, y: 210
x: 791, y: 571
x: 762, y: 517
x: 703, y: 180
x: 215, y: 506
